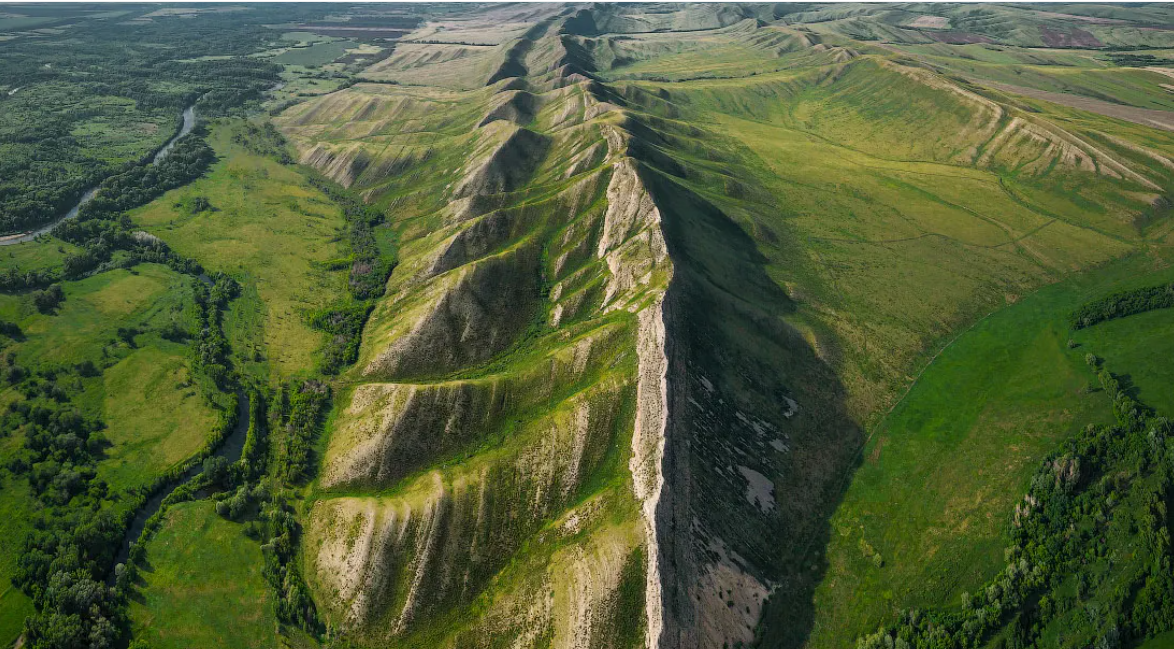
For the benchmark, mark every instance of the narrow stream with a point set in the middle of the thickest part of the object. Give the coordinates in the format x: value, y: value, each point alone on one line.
x: 230, y: 449
x: 189, y: 122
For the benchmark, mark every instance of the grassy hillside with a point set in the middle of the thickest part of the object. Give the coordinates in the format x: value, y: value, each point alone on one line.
x: 618, y: 326
x: 845, y: 209
x: 925, y: 516
x: 489, y: 416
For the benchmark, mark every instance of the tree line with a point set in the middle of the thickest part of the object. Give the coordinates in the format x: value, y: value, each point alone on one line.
x: 1123, y: 303
x: 368, y: 268
x: 1099, y: 501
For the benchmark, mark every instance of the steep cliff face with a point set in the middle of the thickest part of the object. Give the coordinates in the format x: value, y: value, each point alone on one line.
x: 495, y: 470
x: 589, y: 412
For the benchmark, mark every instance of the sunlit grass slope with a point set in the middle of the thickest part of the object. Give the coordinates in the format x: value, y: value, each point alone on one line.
x: 833, y: 213
x: 896, y: 207
x: 939, y: 477
x: 475, y: 485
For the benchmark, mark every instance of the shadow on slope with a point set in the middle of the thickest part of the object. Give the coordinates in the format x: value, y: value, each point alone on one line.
x: 759, y: 436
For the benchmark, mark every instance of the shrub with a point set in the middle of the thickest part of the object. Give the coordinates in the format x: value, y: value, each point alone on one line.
x: 49, y: 299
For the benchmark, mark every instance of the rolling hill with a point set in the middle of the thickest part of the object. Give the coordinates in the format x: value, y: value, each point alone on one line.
x: 778, y: 221
x: 622, y: 325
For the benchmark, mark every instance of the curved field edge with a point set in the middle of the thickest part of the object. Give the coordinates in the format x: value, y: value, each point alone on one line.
x: 924, y: 517
x: 273, y: 231
x: 203, y: 586
x: 148, y: 435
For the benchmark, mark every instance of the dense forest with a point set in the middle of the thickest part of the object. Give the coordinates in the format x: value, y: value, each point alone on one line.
x: 104, y: 93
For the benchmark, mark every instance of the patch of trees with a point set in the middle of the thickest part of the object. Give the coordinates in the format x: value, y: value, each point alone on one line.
x: 1137, y: 60
x: 1123, y: 303
x: 368, y: 269
x: 11, y: 329
x: 15, y: 279
x: 299, y: 410
x: 77, y: 264
x: 256, y: 438
x: 294, y: 604
x: 263, y: 140
x: 1090, y: 546
x: 201, y: 204
x: 60, y: 449
x: 75, y: 537
x: 258, y: 501
x: 49, y: 299
x: 344, y: 323
x: 211, y: 347
x: 61, y: 567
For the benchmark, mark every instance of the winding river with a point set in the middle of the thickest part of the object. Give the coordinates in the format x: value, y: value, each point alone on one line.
x: 230, y: 449
x: 189, y: 122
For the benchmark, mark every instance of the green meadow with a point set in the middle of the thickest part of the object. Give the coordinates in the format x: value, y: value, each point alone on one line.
x: 202, y: 586
x: 85, y: 325
x: 314, y: 55
x: 156, y: 417
x: 1142, y: 346
x: 16, y: 510
x: 1163, y: 641
x: 43, y: 254
x: 270, y: 229
x: 933, y: 492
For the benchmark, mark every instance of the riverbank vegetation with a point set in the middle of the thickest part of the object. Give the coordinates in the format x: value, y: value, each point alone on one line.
x: 294, y: 241
x: 89, y: 454
x: 275, y: 232
x: 98, y: 96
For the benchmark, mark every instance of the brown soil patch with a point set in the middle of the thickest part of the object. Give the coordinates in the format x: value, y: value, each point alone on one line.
x: 1072, y: 38
x: 1087, y: 19
x: 931, y: 22
x: 1145, y: 116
